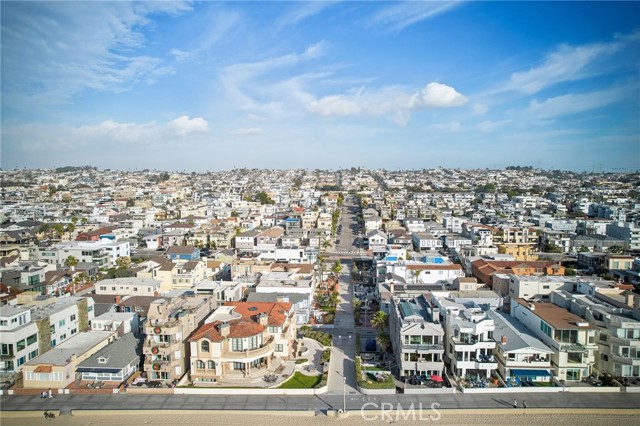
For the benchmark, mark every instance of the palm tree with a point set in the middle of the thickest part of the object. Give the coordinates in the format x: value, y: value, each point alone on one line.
x: 71, y: 262
x: 337, y: 267
x: 380, y: 321
x: 84, y: 221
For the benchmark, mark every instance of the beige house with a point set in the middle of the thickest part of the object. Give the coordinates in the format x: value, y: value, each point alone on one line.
x: 170, y: 322
x: 56, y: 368
x: 241, y: 338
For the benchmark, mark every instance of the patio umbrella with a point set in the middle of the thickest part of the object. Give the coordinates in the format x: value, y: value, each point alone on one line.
x: 437, y: 378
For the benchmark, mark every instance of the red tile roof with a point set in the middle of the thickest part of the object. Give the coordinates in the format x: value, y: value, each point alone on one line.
x: 247, y: 325
x: 208, y: 331
x: 277, y: 311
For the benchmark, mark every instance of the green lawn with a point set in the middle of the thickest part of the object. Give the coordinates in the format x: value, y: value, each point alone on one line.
x: 300, y: 381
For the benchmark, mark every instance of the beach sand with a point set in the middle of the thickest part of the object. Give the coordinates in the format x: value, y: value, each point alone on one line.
x: 226, y: 418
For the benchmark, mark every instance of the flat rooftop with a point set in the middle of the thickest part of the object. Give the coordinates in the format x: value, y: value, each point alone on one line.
x: 76, y: 345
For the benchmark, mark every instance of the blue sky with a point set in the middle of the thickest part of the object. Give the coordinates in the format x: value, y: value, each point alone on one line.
x: 397, y: 85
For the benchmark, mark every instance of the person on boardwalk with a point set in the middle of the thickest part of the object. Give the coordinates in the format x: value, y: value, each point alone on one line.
x: 524, y: 403
x: 515, y: 404
x: 50, y: 393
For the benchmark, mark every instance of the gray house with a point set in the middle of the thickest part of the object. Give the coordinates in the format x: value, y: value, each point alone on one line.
x: 113, y: 363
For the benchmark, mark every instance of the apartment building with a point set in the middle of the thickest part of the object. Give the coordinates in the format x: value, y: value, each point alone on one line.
x: 572, y: 339
x: 18, y: 338
x: 242, y: 338
x: 519, y: 353
x: 417, y: 337
x: 618, y: 332
x: 169, y: 324
x: 469, y: 340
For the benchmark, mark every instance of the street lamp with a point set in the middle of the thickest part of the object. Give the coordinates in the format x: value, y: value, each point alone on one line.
x: 344, y: 394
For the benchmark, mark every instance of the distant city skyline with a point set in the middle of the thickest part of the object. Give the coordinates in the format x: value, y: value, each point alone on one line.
x: 326, y: 85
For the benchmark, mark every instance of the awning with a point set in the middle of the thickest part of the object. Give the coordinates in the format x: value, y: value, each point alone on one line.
x: 98, y: 370
x: 530, y: 373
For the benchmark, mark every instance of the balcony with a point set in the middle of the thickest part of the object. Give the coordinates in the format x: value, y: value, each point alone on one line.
x: 421, y: 347
x: 251, y: 354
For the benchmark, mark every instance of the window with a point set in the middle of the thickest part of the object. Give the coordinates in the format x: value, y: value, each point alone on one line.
x: 200, y: 365
x: 211, y: 365
x: 279, y: 347
x: 74, y: 331
x: 64, y: 336
x: 32, y: 339
x: 236, y: 344
x: 61, y: 323
x: 204, y: 346
x: 4, y: 322
x: 33, y: 354
x: 103, y: 288
x: 273, y: 329
x: 73, y: 317
x: 23, y: 344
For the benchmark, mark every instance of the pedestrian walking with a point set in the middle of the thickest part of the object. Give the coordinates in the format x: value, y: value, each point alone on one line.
x: 515, y: 404
x: 50, y: 393
x: 43, y: 394
x: 524, y: 404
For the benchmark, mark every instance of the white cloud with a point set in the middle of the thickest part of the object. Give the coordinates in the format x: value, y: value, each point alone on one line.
x: 184, y: 125
x: 302, y: 11
x: 404, y: 14
x: 53, y: 50
x: 394, y: 101
x: 437, y: 95
x: 570, y: 63
x: 575, y: 103
x: 245, y: 86
x: 247, y: 131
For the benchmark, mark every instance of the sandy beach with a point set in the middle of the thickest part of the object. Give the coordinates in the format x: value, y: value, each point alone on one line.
x: 442, y: 417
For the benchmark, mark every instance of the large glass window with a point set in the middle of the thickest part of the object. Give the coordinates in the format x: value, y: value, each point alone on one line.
x: 211, y: 365
x: 32, y: 339
x: 200, y: 365
x: 204, y: 346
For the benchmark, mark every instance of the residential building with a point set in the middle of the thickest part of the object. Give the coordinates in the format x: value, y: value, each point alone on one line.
x: 519, y: 353
x: 572, y: 339
x: 469, y: 339
x: 113, y: 363
x: 129, y: 286
x: 169, y: 324
x: 57, y: 369
x: 242, y: 338
x: 417, y: 337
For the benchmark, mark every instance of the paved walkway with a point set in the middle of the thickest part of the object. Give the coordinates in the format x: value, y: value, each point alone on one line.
x: 342, y: 363
x: 66, y: 403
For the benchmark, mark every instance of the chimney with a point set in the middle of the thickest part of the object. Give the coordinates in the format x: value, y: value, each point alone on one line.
x: 263, y: 319
x: 224, y: 329
x: 503, y: 340
x: 629, y: 298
